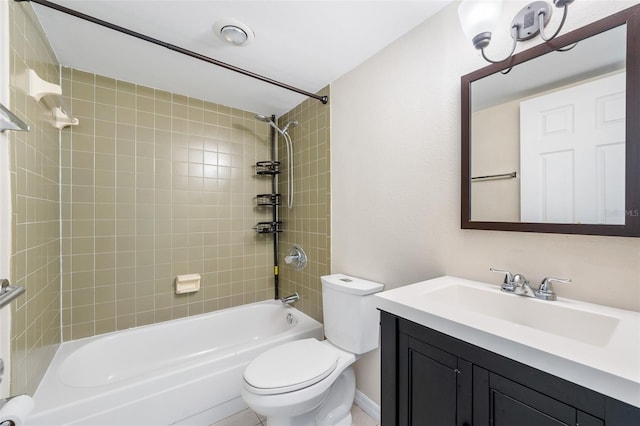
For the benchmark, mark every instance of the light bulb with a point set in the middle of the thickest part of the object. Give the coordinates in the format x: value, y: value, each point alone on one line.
x: 479, y: 17
x: 234, y: 35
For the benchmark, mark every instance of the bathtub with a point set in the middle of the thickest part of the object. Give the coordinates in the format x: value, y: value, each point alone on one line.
x: 184, y: 372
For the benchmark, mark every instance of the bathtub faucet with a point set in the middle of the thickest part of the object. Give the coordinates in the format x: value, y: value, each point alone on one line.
x: 290, y: 299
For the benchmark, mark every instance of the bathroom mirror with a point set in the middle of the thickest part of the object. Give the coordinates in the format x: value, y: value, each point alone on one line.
x: 551, y: 137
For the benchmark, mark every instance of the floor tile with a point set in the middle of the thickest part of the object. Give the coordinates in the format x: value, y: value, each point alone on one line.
x: 360, y: 418
x: 249, y: 418
x: 243, y: 418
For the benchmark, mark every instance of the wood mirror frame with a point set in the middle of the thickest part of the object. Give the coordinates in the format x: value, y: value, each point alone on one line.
x: 631, y: 227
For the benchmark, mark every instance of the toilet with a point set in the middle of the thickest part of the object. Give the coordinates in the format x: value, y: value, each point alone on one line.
x: 310, y: 382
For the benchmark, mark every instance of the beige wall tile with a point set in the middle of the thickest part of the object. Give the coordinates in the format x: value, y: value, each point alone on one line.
x: 35, y: 256
x: 140, y: 211
x: 307, y: 223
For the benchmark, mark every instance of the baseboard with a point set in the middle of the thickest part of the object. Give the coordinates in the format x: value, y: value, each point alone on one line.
x: 368, y: 406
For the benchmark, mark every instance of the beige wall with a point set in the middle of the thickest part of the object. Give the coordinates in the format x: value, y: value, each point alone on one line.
x: 34, y: 165
x: 395, y: 159
x: 307, y: 224
x: 155, y: 185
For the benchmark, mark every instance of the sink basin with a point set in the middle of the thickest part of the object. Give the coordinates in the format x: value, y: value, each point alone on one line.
x: 595, y: 346
x: 561, y: 319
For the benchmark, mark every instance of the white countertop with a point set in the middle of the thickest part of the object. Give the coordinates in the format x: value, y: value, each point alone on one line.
x: 605, y: 359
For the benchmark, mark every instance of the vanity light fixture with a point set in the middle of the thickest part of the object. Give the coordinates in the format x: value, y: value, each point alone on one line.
x: 479, y: 17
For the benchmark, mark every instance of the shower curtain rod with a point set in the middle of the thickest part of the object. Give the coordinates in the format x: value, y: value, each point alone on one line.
x: 45, y: 3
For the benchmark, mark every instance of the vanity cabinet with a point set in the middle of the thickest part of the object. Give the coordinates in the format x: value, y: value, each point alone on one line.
x: 431, y: 379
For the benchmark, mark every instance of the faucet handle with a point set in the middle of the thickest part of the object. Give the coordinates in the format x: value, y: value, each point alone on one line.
x: 508, y: 279
x: 545, y: 291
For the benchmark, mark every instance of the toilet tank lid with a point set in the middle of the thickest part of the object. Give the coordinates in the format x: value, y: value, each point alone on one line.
x: 351, y: 285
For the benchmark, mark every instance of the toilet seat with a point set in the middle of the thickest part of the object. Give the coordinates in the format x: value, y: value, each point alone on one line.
x: 290, y: 367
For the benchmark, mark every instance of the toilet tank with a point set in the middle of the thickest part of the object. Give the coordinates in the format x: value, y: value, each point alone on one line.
x: 351, y: 320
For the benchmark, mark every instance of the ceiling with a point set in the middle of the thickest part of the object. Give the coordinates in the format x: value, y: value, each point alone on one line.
x: 305, y: 44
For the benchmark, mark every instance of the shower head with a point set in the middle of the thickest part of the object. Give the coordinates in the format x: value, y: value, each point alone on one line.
x: 263, y: 118
x: 269, y: 120
x: 292, y: 123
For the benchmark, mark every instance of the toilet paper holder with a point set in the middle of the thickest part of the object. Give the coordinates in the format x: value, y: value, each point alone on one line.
x: 3, y: 402
x: 15, y: 412
x: 7, y: 423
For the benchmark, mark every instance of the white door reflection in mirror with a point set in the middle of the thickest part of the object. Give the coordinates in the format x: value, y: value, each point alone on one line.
x: 572, y: 154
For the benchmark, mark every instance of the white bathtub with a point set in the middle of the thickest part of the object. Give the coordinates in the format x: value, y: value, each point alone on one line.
x: 186, y: 371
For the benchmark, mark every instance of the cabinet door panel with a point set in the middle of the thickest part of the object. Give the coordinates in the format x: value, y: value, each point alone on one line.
x: 507, y: 411
x: 433, y: 392
x: 585, y: 419
x: 533, y: 399
x: 434, y: 386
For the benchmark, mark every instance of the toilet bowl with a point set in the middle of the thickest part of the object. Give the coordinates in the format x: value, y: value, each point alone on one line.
x: 310, y: 382
x: 299, y: 379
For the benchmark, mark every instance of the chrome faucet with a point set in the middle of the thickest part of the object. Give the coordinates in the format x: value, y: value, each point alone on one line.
x: 290, y: 299
x: 522, y: 287
x: 518, y: 284
x: 545, y: 291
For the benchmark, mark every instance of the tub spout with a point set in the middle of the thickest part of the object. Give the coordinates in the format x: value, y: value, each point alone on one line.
x: 290, y: 299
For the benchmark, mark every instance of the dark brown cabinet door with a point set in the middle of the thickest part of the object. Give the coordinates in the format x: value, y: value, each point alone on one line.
x: 507, y: 411
x: 515, y: 405
x: 432, y: 386
x: 432, y: 391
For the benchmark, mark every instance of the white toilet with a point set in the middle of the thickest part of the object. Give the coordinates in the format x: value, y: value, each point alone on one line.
x: 309, y: 382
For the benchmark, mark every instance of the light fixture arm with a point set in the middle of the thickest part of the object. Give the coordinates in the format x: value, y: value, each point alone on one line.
x: 514, y: 36
x: 541, y: 20
x: 478, y: 18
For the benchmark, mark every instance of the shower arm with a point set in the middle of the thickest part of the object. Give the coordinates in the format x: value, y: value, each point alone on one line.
x: 173, y: 47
